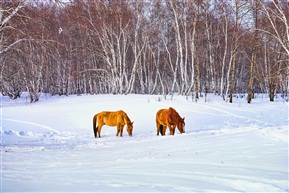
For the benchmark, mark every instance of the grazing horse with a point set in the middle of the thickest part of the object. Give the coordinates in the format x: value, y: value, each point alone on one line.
x: 169, y: 118
x: 118, y: 118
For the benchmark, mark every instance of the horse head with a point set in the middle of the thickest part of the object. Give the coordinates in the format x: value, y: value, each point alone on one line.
x: 181, y: 125
x: 129, y: 128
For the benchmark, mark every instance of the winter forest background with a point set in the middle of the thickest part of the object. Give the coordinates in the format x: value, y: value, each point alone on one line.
x: 144, y: 46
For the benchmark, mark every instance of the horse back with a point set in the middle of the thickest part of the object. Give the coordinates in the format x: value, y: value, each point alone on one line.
x: 107, y: 118
x: 161, y: 116
x: 114, y: 118
x: 165, y: 116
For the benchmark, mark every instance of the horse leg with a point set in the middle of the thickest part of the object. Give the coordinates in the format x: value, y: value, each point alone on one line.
x: 95, y: 132
x: 121, y: 130
x: 164, y: 130
x: 158, y: 128
x: 171, y: 129
x: 99, y: 128
x: 98, y: 131
x: 117, y: 130
x: 161, y: 129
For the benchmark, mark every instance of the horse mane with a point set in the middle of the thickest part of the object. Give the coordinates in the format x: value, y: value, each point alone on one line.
x: 127, y: 118
x: 129, y: 121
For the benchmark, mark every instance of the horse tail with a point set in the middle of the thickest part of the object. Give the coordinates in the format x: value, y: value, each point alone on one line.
x: 161, y: 129
x: 94, y: 125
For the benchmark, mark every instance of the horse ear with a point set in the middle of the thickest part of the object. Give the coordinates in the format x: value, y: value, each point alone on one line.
x: 183, y: 118
x: 132, y: 122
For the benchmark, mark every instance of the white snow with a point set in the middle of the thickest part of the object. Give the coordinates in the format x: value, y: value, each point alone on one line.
x: 49, y: 146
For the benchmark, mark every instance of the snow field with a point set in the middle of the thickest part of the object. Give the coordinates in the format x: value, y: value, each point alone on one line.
x: 49, y: 146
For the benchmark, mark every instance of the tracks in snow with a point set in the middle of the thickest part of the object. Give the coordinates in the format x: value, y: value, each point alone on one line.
x: 236, y: 115
x: 32, y: 123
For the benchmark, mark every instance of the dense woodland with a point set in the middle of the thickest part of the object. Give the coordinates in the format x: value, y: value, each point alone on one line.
x: 144, y: 46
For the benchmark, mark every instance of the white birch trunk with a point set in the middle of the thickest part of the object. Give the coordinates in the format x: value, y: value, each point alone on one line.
x: 225, y: 29
x: 210, y: 50
x: 179, y: 61
x: 192, y: 47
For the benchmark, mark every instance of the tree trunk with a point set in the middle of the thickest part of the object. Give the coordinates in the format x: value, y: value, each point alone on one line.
x: 224, y: 56
x: 235, y: 51
x: 272, y: 88
x: 197, y: 51
x: 254, y: 52
x: 210, y: 50
x: 252, y: 67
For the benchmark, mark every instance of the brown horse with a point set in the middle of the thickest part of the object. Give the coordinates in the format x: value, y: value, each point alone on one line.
x: 169, y: 118
x: 118, y: 118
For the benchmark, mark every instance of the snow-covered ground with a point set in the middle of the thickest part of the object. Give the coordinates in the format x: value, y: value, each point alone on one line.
x: 49, y: 146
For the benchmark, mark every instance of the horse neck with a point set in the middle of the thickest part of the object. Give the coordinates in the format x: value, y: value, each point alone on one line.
x: 127, y: 120
x: 174, y: 114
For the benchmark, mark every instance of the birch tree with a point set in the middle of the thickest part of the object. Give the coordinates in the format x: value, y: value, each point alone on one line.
x: 208, y: 25
x: 155, y: 47
x: 277, y: 14
x: 7, y: 12
x: 225, y: 26
x: 239, y: 14
x: 197, y: 10
x: 10, y: 37
x: 179, y: 46
x: 137, y: 47
x: 255, y: 10
x: 192, y: 46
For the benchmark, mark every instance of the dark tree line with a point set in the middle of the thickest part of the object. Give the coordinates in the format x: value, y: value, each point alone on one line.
x: 147, y: 47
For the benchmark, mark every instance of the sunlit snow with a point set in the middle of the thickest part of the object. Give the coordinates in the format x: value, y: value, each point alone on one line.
x: 49, y: 146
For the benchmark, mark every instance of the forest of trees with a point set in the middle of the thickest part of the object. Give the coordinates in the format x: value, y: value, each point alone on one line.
x: 144, y: 46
